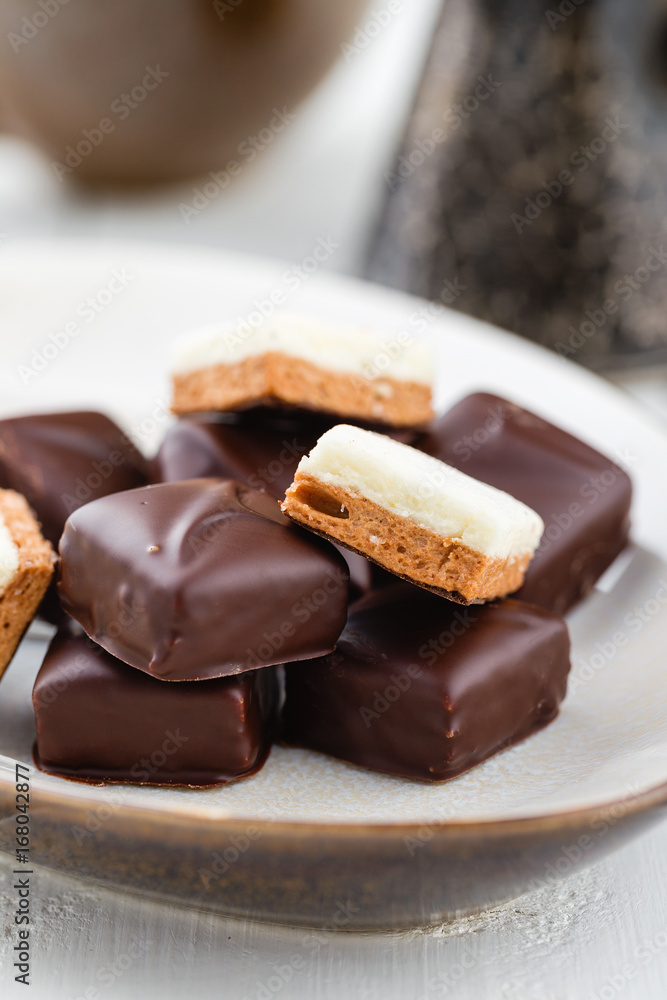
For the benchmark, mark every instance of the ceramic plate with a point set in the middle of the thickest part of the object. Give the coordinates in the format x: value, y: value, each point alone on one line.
x: 89, y: 325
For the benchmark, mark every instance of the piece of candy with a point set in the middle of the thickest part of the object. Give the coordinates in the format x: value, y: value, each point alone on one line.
x: 26, y: 567
x: 199, y: 579
x: 261, y: 447
x: 413, y: 515
x: 583, y: 497
x: 60, y: 461
x: 294, y: 360
x: 100, y: 720
x: 420, y: 688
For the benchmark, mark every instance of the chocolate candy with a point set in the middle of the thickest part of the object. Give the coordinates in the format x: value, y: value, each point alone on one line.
x: 199, y: 579
x: 261, y: 447
x: 60, y: 461
x: 100, y: 720
x: 582, y: 497
x: 422, y: 688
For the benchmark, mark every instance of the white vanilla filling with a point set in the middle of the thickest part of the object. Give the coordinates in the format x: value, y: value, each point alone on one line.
x: 9, y: 556
x: 424, y: 490
x: 349, y: 349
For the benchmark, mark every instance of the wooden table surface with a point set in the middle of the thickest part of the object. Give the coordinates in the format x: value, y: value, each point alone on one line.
x: 595, y: 936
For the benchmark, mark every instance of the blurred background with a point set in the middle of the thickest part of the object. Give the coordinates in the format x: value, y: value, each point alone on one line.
x: 504, y: 157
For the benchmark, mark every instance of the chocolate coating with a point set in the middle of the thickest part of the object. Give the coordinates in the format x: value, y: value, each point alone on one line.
x: 582, y: 496
x: 261, y: 447
x: 199, y: 579
x: 60, y: 461
x: 422, y: 688
x: 100, y: 720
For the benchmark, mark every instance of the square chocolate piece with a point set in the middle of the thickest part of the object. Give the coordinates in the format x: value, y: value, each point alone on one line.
x: 200, y: 579
x: 582, y: 496
x: 100, y: 720
x: 422, y: 688
x: 60, y: 461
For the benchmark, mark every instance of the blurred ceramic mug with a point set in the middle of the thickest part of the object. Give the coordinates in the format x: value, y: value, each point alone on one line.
x: 154, y: 90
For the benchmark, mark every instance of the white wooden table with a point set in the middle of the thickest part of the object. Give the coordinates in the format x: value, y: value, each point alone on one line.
x: 597, y: 936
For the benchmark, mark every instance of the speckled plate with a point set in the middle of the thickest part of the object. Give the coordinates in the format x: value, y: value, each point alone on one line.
x: 311, y: 839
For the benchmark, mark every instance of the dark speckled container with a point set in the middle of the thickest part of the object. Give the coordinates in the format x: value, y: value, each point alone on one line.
x: 530, y: 186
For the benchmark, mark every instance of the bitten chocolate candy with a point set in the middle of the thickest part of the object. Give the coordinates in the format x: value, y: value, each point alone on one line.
x: 100, y: 720
x: 582, y: 497
x: 422, y: 688
x: 60, y: 461
x: 199, y: 579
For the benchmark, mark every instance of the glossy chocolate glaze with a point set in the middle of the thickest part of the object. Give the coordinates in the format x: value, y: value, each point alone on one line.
x: 423, y: 688
x: 261, y: 447
x: 199, y: 579
x: 60, y: 461
x: 582, y: 496
x: 100, y: 720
